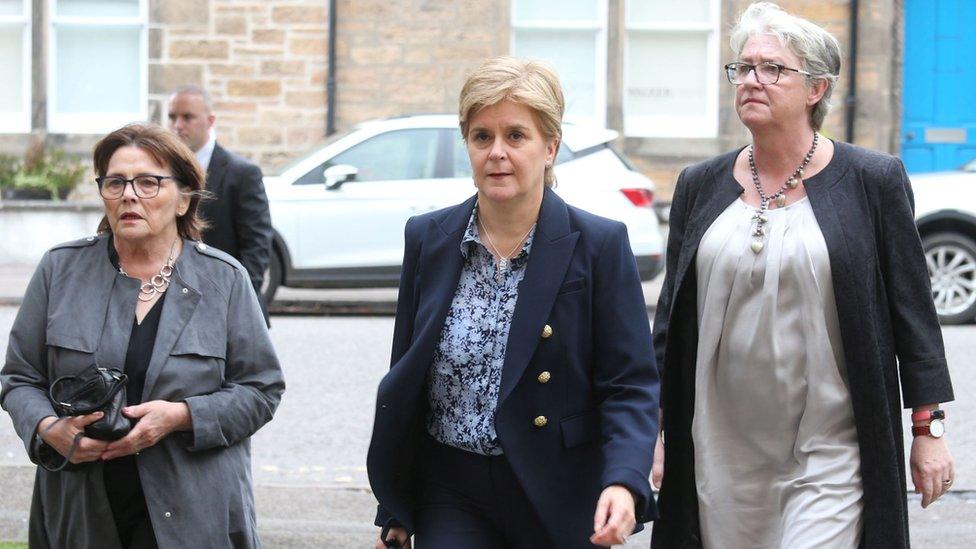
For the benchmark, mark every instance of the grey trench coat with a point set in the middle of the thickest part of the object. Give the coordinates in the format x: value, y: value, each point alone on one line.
x: 212, y: 351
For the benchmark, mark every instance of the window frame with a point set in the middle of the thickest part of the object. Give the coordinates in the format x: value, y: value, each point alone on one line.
x: 703, y: 126
x: 601, y: 51
x: 86, y: 122
x: 14, y: 122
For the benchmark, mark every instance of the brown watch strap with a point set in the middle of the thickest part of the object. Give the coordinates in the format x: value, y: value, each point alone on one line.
x: 921, y: 430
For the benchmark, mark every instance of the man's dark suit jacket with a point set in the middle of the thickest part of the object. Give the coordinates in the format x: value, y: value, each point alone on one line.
x: 240, y: 222
x: 600, y: 400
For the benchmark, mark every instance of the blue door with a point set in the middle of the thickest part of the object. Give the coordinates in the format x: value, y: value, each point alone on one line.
x: 938, y: 130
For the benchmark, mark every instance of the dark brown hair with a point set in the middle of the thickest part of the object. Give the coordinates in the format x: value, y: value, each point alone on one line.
x: 167, y: 150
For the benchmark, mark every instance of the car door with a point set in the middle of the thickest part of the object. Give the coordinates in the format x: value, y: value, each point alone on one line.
x: 359, y: 224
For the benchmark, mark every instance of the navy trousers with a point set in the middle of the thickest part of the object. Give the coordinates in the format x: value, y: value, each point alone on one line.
x: 471, y: 501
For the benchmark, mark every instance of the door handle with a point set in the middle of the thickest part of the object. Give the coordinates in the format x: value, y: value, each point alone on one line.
x: 910, y: 136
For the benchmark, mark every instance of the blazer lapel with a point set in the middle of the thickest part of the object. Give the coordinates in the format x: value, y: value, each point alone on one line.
x: 552, y: 250
x: 440, y: 269
x: 216, y: 169
x: 178, y: 306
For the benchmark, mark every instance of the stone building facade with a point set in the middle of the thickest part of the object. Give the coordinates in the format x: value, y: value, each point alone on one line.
x: 266, y: 62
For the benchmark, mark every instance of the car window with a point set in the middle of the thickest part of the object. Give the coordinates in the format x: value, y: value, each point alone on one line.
x: 462, y: 165
x: 398, y: 154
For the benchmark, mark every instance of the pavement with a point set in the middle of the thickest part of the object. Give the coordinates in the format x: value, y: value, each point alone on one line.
x: 333, y: 518
x: 296, y: 508
x: 292, y: 301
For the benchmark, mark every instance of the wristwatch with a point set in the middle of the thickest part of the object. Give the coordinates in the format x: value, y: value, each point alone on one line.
x: 934, y: 429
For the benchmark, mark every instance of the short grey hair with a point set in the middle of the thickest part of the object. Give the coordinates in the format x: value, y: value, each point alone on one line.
x: 817, y: 49
x: 193, y: 89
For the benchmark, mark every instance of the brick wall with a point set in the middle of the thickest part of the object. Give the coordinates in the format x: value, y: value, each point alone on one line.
x: 264, y: 62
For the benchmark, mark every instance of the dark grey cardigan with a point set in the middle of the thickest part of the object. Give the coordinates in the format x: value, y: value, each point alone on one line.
x: 864, y: 205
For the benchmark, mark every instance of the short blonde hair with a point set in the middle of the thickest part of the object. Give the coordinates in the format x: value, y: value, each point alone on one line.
x: 530, y: 83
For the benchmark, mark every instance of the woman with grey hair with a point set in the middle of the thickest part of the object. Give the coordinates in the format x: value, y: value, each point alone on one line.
x: 796, y: 297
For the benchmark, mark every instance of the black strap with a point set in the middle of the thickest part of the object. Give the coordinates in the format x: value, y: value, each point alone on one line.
x: 386, y: 532
x: 118, y: 381
x: 71, y: 451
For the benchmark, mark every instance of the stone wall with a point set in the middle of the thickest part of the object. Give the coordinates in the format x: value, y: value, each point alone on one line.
x: 264, y: 62
x: 411, y: 56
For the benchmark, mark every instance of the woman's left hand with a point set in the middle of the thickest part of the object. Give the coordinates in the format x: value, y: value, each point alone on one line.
x: 157, y: 418
x: 932, y: 466
x: 615, y: 519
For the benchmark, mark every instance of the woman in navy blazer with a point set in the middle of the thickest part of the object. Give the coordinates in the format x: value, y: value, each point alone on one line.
x: 520, y: 409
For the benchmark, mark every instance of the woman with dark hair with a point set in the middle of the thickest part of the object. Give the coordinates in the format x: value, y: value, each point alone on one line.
x: 181, y: 320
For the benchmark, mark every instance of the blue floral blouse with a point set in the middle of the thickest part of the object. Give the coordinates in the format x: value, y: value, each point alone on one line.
x: 463, y: 381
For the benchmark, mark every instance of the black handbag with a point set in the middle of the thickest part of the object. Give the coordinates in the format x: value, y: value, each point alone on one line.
x: 95, y: 389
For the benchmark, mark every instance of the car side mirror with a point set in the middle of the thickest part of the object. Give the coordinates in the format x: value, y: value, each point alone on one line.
x: 335, y: 176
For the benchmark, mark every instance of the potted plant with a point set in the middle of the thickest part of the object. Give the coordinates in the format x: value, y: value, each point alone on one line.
x: 43, y: 175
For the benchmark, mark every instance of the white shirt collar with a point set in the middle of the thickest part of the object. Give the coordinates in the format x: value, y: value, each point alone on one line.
x: 206, y: 151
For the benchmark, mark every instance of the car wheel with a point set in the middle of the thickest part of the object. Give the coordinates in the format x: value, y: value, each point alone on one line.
x: 951, y: 260
x: 272, y: 278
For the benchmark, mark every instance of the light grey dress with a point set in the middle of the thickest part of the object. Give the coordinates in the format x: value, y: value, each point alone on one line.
x: 776, y: 455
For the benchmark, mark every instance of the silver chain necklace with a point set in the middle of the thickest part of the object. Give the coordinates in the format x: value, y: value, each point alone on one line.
x: 792, y: 182
x: 504, y: 261
x: 159, y: 283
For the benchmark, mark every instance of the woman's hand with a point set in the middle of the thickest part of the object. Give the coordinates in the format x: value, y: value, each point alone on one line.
x: 397, y: 533
x: 157, y: 418
x: 657, y: 469
x: 932, y: 465
x: 62, y: 436
x: 614, y: 520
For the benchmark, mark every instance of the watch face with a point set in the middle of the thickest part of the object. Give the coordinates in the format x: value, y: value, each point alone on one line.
x: 936, y: 428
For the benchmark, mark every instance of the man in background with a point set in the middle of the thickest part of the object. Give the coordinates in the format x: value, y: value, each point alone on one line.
x: 239, y: 216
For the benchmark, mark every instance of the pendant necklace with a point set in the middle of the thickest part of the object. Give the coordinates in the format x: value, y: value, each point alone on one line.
x: 504, y: 261
x: 159, y: 283
x: 792, y: 182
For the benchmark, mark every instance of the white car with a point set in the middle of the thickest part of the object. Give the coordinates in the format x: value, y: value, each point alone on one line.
x: 945, y: 212
x: 339, y: 212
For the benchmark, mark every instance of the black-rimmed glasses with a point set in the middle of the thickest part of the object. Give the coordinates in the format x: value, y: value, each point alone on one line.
x: 767, y: 72
x: 145, y: 186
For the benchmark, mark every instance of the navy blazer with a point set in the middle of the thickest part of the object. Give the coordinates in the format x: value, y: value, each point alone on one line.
x: 601, y: 401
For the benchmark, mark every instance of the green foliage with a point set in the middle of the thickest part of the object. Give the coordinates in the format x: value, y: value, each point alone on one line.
x: 12, y: 545
x: 9, y: 166
x: 51, y: 171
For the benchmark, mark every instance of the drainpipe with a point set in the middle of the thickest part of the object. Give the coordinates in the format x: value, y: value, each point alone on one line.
x: 850, y: 101
x: 330, y: 82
